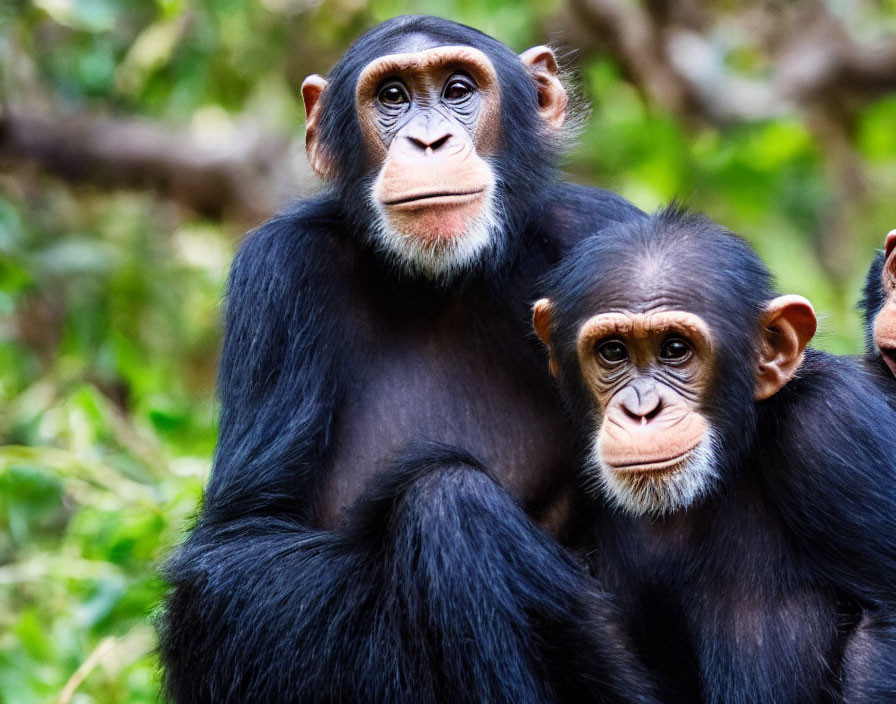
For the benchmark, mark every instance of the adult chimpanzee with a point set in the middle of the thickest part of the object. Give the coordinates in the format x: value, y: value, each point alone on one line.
x: 879, y: 306
x: 754, y: 546
x: 384, y: 414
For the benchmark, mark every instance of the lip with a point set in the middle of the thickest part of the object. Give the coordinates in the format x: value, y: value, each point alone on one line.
x: 430, y: 198
x: 659, y: 466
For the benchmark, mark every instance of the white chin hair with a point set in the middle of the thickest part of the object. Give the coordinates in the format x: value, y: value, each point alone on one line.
x: 660, y: 494
x: 445, y: 257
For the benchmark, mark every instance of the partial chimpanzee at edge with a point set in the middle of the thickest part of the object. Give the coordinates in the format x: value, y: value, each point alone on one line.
x: 879, y: 307
x: 754, y: 546
x: 388, y: 431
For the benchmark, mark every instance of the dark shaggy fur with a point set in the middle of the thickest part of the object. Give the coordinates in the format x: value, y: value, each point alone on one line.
x: 781, y: 586
x: 433, y: 584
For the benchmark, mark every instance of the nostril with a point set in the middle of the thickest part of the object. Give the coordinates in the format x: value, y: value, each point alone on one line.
x: 425, y: 145
x: 640, y: 414
x: 418, y: 143
x: 435, y: 144
x: 654, y: 412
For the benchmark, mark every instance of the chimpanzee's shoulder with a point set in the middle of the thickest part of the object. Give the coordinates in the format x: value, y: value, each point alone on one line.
x: 575, y: 212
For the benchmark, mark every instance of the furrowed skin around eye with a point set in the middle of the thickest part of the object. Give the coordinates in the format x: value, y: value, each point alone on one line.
x: 393, y: 96
x: 675, y: 351
x: 458, y: 89
x: 612, y: 351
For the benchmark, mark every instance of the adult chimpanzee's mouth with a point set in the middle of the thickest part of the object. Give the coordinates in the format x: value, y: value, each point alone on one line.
x: 667, y: 465
x: 435, y: 198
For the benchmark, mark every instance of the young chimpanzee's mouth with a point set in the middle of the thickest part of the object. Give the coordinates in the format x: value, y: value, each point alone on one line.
x: 658, y: 465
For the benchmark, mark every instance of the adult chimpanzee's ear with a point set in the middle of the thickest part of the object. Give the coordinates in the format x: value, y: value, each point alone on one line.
x: 312, y: 89
x: 890, y: 244
x: 788, y: 325
x: 542, y: 319
x: 552, y: 98
x: 889, y: 249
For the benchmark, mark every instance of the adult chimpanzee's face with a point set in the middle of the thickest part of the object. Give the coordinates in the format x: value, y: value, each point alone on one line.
x: 885, y: 322
x: 431, y: 119
x: 431, y: 129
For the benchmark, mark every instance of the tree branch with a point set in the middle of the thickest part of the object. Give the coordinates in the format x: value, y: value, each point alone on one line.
x: 674, y: 60
x: 248, y: 176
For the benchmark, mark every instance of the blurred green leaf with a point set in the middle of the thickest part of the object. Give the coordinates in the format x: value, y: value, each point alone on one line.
x: 28, y: 497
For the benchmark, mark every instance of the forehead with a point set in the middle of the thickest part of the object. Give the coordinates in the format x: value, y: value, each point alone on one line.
x: 642, y: 325
x: 640, y: 291
x: 684, y: 274
x: 424, y: 60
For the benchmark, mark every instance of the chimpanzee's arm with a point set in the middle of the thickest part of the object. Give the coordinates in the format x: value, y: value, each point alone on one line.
x: 440, y: 590
x: 836, y: 432
x: 279, y: 371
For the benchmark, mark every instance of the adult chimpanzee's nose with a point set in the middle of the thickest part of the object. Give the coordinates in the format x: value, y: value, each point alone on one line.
x: 641, y: 405
x: 428, y: 134
x: 430, y: 142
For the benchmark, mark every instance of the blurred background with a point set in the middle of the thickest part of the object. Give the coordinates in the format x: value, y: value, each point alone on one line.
x: 139, y: 140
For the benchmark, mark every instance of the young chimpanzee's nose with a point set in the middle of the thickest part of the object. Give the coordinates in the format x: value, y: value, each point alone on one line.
x: 641, y: 405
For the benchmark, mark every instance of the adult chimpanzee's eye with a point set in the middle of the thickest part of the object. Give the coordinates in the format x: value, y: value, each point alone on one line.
x: 675, y: 350
x: 393, y: 94
x: 458, y: 89
x: 613, y: 351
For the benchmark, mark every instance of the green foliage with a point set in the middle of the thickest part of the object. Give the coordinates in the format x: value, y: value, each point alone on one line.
x: 106, y: 374
x: 109, y: 303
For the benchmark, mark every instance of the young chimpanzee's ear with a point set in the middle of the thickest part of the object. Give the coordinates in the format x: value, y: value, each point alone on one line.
x: 552, y: 98
x: 788, y: 325
x: 312, y: 90
x: 542, y: 319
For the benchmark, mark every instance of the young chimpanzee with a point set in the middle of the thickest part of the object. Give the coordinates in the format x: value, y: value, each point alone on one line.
x: 754, y: 543
x: 879, y: 307
x: 384, y: 412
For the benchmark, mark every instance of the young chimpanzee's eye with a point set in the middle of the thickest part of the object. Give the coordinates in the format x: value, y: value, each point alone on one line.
x: 612, y: 351
x: 458, y: 89
x: 675, y: 350
x: 393, y: 94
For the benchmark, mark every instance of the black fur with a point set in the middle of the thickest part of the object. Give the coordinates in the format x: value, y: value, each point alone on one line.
x: 311, y: 575
x: 780, y: 586
x: 873, y: 299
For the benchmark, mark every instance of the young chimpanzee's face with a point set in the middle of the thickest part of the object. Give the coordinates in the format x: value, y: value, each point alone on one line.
x: 654, y: 357
x: 647, y: 372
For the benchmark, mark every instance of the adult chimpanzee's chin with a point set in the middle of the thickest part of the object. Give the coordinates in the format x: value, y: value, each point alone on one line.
x: 439, y: 235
